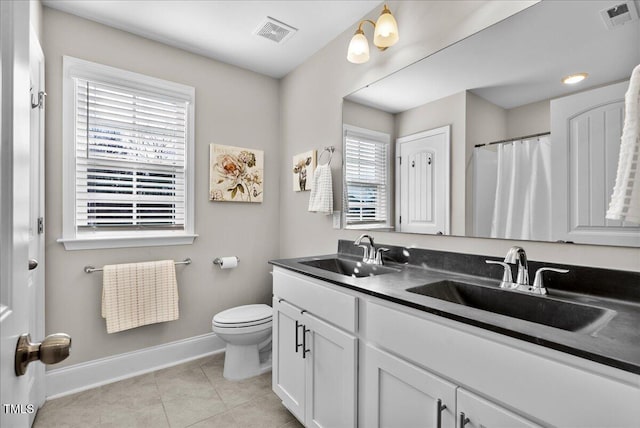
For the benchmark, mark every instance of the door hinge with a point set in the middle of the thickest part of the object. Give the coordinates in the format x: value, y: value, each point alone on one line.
x: 40, y: 225
x: 400, y: 220
x: 400, y: 160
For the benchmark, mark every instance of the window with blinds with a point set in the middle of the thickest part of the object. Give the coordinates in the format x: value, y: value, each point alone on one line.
x: 366, y: 179
x: 130, y: 141
x: 130, y: 158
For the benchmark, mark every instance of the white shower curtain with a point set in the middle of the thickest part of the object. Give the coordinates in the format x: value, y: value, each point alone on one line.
x: 522, y: 204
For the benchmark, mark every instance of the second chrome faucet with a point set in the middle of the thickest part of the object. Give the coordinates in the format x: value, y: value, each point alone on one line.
x: 517, y: 255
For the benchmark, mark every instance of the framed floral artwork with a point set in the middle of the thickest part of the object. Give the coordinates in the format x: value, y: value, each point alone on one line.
x: 304, y: 164
x: 236, y: 174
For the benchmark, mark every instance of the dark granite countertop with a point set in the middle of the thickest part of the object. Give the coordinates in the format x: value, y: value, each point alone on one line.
x: 615, y: 343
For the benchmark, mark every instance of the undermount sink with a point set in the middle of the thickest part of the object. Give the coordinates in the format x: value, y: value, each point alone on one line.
x: 537, y: 309
x: 349, y: 267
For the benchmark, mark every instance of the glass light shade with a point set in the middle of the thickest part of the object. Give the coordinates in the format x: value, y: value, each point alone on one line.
x: 386, y: 33
x: 358, y: 49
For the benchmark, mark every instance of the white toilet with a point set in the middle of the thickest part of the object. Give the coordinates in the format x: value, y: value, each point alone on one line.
x: 247, y: 332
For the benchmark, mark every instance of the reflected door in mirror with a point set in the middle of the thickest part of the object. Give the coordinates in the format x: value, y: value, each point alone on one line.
x: 586, y: 129
x: 422, y: 184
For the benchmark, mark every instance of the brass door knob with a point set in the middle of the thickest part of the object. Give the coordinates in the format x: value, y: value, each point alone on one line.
x: 53, y: 349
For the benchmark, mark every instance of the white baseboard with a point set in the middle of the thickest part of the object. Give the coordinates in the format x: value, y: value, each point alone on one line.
x: 91, y: 374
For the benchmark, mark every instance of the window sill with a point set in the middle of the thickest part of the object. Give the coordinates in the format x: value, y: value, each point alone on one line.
x: 94, y: 243
x: 380, y: 227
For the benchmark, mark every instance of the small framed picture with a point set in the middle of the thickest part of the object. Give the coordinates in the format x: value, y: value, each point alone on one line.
x: 304, y: 164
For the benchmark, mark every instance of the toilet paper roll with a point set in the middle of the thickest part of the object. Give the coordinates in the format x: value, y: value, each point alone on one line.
x: 228, y: 262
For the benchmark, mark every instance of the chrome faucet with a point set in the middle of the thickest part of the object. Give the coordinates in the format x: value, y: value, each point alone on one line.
x: 371, y: 255
x: 369, y: 249
x: 518, y: 255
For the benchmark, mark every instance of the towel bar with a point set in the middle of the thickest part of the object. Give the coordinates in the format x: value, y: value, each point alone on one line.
x: 91, y: 269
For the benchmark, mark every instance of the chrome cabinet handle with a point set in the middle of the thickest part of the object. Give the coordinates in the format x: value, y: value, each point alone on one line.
x: 298, y: 345
x: 33, y: 263
x: 439, y: 409
x: 305, y: 330
x: 463, y: 420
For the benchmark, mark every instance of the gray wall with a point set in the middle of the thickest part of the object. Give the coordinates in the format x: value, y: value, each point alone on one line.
x: 233, y: 107
x: 529, y: 119
x: 311, y: 98
x: 369, y: 118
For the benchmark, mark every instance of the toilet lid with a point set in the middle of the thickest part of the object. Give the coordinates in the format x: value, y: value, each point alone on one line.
x: 244, y: 314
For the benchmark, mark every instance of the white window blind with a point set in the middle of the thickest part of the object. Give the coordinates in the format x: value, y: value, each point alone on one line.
x: 130, y: 158
x: 366, y: 180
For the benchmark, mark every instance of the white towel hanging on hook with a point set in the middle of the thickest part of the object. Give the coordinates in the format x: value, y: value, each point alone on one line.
x: 625, y: 200
x: 321, y: 198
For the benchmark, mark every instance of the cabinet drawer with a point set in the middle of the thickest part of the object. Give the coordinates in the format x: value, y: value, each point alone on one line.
x: 477, y: 412
x: 311, y: 295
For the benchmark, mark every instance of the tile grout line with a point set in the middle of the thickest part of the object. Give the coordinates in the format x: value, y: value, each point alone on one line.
x: 166, y: 416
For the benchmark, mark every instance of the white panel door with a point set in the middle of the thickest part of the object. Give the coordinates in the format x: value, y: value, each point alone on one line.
x: 16, y: 297
x: 423, y: 182
x: 288, y: 369
x: 401, y: 395
x: 476, y: 412
x: 36, y: 213
x: 331, y: 359
x: 585, y: 134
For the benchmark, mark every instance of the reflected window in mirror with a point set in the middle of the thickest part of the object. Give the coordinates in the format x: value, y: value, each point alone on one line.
x: 366, y: 178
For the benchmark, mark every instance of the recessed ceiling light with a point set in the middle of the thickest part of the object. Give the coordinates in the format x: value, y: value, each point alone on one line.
x: 572, y: 79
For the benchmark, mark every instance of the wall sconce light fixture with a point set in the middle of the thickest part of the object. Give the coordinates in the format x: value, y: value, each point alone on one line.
x: 385, y: 35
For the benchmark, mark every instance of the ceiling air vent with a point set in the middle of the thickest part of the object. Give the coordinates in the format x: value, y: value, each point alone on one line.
x: 619, y: 14
x: 275, y: 30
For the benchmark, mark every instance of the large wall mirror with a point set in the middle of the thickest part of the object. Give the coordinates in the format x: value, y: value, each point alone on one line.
x: 484, y: 139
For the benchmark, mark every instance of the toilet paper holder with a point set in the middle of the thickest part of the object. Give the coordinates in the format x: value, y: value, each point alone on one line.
x: 218, y: 260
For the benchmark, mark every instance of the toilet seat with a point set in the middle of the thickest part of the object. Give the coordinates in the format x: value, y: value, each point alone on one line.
x: 241, y: 329
x: 243, y: 316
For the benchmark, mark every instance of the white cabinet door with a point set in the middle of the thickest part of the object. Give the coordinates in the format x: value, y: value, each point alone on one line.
x: 314, y: 368
x: 476, y: 412
x: 401, y: 395
x: 288, y: 368
x: 331, y: 357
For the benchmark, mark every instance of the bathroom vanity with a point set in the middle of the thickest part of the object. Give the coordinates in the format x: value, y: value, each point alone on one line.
x: 388, y: 346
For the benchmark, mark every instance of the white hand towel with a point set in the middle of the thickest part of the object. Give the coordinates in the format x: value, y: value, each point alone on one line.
x: 321, y: 199
x: 137, y: 294
x: 625, y: 200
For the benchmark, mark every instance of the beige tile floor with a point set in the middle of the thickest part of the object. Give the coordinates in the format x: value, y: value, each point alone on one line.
x: 192, y: 395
